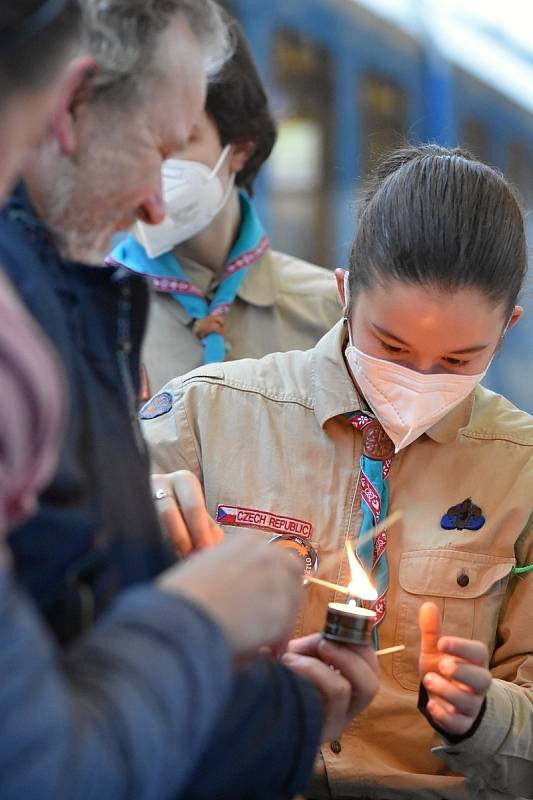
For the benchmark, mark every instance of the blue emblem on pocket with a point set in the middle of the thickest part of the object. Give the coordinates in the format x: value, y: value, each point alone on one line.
x: 463, y: 516
x: 159, y: 404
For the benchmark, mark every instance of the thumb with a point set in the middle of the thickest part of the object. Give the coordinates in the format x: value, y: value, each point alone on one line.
x: 430, y: 623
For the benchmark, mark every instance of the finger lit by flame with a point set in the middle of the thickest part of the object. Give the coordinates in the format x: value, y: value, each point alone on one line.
x: 360, y: 585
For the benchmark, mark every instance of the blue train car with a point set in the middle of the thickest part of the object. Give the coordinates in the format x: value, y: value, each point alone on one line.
x: 347, y: 85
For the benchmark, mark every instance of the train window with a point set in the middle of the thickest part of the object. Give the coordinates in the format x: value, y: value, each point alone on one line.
x: 383, y: 113
x: 519, y: 169
x: 301, y: 164
x: 475, y: 137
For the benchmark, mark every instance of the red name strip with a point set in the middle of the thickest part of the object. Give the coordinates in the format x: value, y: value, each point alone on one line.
x: 239, y: 517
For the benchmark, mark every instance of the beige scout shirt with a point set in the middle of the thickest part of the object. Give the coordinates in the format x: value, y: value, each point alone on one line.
x: 269, y: 444
x: 282, y: 304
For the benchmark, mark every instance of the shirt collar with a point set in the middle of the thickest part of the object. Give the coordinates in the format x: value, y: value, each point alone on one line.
x: 447, y: 429
x: 335, y: 393
x: 333, y: 388
x: 261, y: 285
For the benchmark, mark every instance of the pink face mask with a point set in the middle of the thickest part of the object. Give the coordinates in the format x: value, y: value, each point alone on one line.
x: 407, y: 403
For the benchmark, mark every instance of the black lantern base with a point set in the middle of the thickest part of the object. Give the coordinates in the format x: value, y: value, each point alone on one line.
x: 349, y: 624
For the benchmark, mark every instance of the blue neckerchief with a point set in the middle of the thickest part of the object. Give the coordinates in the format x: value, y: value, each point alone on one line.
x: 372, y: 553
x: 167, y: 274
x: 366, y: 552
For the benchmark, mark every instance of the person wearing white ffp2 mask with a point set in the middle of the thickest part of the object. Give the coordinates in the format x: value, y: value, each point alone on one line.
x: 193, y: 195
x: 221, y: 291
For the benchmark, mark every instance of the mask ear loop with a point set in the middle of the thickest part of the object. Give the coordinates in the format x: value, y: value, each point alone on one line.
x: 504, y: 332
x: 222, y: 157
x: 347, y: 300
x: 346, y: 295
x: 231, y: 182
x: 500, y: 342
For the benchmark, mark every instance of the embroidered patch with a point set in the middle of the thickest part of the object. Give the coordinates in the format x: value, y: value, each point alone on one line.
x: 463, y: 516
x: 263, y: 520
x: 303, y: 549
x: 159, y: 404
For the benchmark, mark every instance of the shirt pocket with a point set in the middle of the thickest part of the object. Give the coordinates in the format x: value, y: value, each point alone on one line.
x: 468, y: 588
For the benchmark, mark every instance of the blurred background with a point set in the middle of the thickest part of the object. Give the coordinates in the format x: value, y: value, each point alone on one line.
x: 350, y: 79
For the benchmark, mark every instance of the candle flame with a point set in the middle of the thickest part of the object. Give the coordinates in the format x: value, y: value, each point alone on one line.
x: 360, y: 585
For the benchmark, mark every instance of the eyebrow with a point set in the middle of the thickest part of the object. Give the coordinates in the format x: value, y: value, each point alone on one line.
x: 477, y: 348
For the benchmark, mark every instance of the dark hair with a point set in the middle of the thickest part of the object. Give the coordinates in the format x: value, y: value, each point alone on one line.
x: 440, y: 218
x: 238, y: 105
x: 34, y: 37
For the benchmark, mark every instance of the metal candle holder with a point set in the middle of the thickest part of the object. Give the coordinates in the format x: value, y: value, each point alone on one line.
x: 349, y: 624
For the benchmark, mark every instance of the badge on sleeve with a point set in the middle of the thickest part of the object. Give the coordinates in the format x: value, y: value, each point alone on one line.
x: 463, y: 516
x: 159, y: 404
x: 302, y: 548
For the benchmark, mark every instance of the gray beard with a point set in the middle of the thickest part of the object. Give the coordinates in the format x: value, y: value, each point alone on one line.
x: 83, y: 246
x: 72, y: 229
x: 73, y: 246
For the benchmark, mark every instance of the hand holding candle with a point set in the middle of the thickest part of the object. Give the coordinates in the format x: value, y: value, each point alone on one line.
x: 454, y: 672
x: 346, y: 677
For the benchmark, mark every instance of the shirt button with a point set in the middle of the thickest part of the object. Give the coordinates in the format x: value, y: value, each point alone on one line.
x: 463, y: 579
x: 336, y: 747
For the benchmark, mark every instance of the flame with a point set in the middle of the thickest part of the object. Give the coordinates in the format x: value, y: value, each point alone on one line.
x: 360, y: 585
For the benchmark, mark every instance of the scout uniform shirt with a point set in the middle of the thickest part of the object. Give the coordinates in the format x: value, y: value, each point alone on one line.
x: 275, y: 453
x: 283, y: 304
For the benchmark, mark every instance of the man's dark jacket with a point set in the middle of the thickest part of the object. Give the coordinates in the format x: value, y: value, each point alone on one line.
x: 123, y: 693
x: 96, y: 531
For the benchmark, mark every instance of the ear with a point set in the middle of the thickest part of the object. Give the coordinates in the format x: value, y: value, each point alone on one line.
x: 72, y: 92
x: 240, y: 154
x: 341, y: 290
x: 515, y: 317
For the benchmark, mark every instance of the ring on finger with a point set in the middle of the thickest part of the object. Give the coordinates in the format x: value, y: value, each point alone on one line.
x: 160, y: 494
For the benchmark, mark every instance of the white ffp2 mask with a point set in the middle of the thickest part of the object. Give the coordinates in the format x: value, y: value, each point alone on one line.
x: 193, y: 195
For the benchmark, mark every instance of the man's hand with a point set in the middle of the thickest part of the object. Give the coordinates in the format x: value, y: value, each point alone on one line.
x: 251, y: 588
x: 347, y: 677
x: 455, y: 673
x: 183, y: 514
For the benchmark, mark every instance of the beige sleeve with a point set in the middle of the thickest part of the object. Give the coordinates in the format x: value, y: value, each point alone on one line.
x: 170, y: 438
x: 499, y: 756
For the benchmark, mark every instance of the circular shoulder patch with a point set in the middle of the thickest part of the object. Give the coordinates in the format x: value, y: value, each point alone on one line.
x: 301, y: 548
x: 159, y: 404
